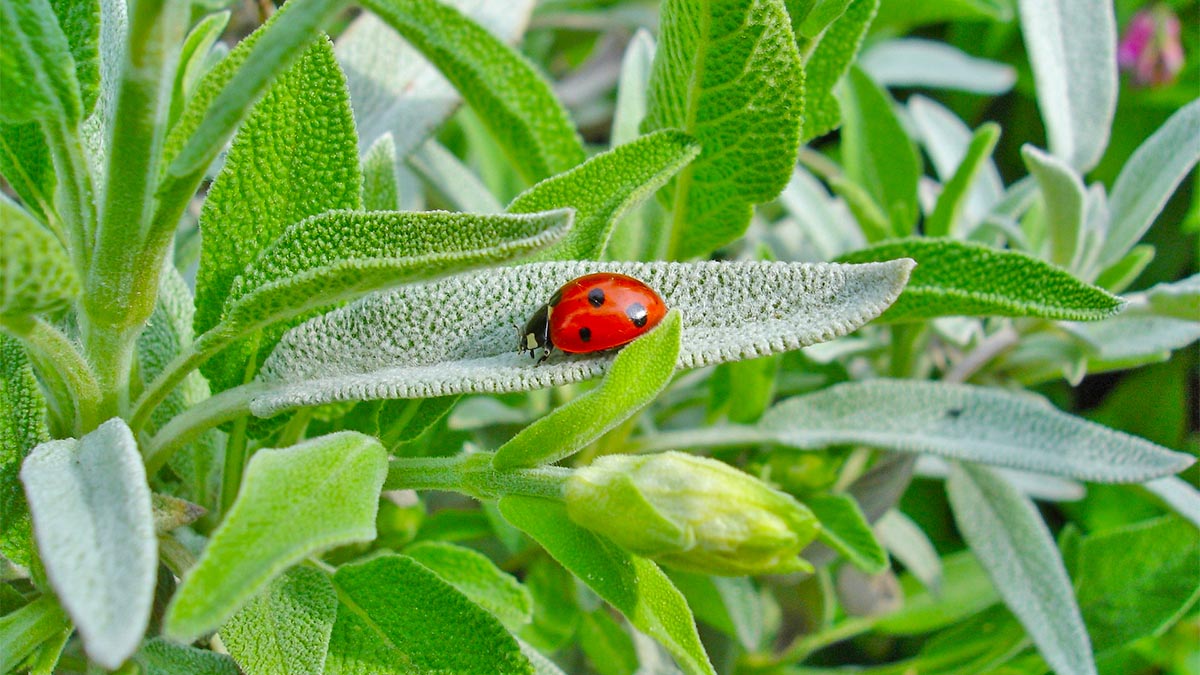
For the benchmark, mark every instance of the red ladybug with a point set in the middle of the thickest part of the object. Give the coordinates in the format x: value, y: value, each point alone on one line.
x: 592, y: 313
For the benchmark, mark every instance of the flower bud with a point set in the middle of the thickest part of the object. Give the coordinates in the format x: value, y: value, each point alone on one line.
x: 692, y: 513
x: 1150, y: 49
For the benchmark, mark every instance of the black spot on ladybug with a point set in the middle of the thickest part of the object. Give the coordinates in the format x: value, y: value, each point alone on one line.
x: 585, y: 334
x: 596, y: 297
x: 637, y: 314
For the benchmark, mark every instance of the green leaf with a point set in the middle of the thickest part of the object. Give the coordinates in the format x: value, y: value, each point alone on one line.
x: 296, y: 156
x: 743, y: 390
x: 1178, y: 494
x: 955, y: 278
x: 632, y: 585
x: 638, y: 373
x: 36, y: 276
x: 1149, y: 178
x: 37, y: 72
x: 911, y: 547
x: 845, y: 529
x: 604, y: 187
x: 877, y: 153
x: 1126, y: 341
x: 607, y: 645
x: 729, y: 76
x: 23, y: 630
x: 95, y: 531
x: 515, y: 103
x: 901, y: 15
x: 286, y: 627
x: 314, y: 495
x: 1180, y: 300
x: 194, y: 56
x: 1007, y: 534
x: 1063, y: 194
x: 965, y: 590
x: 397, y: 616
x: 159, y: 657
x: 79, y: 21
x: 452, y: 179
x: 26, y: 164
x: 946, y: 139
x: 963, y: 422
x: 456, y: 335
x: 1118, y: 276
x: 917, y: 62
x: 22, y: 427
x: 828, y: 62
x: 947, y: 216
x: 732, y: 605
x: 1072, y: 50
x: 381, y: 179
x: 478, y: 578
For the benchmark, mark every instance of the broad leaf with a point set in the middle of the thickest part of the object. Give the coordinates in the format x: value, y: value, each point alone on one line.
x: 293, y: 502
x: 948, y: 214
x: 397, y: 616
x: 159, y: 657
x: 478, y: 578
x: 955, y: 278
x: 828, y: 62
x: 917, y: 62
x: 95, y: 532
x: 977, y: 424
x: 286, y: 627
x: 36, y: 275
x: 22, y: 427
x: 23, y: 630
x: 37, y: 72
x: 729, y: 75
x: 845, y: 529
x: 1007, y: 534
x: 456, y: 335
x: 1063, y: 196
x: 638, y: 373
x: 632, y: 585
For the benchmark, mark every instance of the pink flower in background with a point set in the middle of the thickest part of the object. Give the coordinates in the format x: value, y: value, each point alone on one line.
x: 1150, y: 50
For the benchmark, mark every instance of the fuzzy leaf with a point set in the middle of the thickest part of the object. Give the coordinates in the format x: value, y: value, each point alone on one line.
x: 478, y: 578
x: 397, y: 616
x: 955, y: 278
x: 604, y: 187
x: 909, y: 544
x: 159, y: 657
x: 23, y: 630
x: 1126, y: 341
x: 638, y: 373
x: 79, y: 21
x: 452, y: 179
x: 1063, y: 195
x: 947, y: 216
x: 633, y: 585
x: 293, y: 502
x: 37, y: 72
x: 95, y: 532
x: 286, y: 627
x: 26, y: 164
x: 729, y: 75
x: 828, y: 62
x: 1180, y: 300
x: 1179, y: 495
x: 456, y: 336
x: 1014, y: 545
x: 845, y: 529
x: 22, y: 427
x: 515, y: 103
x: 970, y: 423
x: 1072, y: 50
x: 916, y: 62
x: 946, y: 140
x: 36, y: 275
x: 381, y: 177
x: 194, y: 57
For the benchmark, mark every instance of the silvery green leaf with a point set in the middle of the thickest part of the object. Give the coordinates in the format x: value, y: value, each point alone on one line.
x: 457, y: 335
x: 909, y: 544
x: 1034, y: 485
x: 1179, y: 495
x: 1008, y: 535
x: 97, y: 129
x: 822, y: 218
x: 632, y: 86
x: 1180, y: 300
x: 965, y: 422
x: 1134, y: 338
x: 827, y: 62
x: 452, y: 179
x: 915, y: 62
x: 94, y: 528
x: 1063, y: 195
x: 1072, y: 50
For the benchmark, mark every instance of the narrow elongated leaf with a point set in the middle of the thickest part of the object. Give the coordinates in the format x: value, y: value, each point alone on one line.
x: 397, y: 616
x: 828, y: 62
x: 24, y: 629
x: 916, y: 62
x: 293, y: 502
x: 96, y: 130
x: 37, y: 72
x: 909, y: 544
x: 631, y: 584
x: 846, y: 530
x: 26, y: 164
x: 1179, y: 495
x: 955, y: 278
x: 1014, y: 545
x: 947, y: 216
x: 194, y: 56
x: 1180, y: 300
x: 286, y: 627
x: 1072, y: 49
x: 729, y: 75
x: 35, y: 274
x: 456, y: 335
x: 95, y: 531
x: 514, y: 102
x: 638, y: 373
x: 964, y: 422
x: 381, y: 177
x: 1134, y: 339
x: 79, y: 21
x: 604, y: 187
x: 22, y: 427
x: 451, y: 178
x: 1063, y: 196
x: 478, y: 578
x: 946, y: 140
x: 159, y: 657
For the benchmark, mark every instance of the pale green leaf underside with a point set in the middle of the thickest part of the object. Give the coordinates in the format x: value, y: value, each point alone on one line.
x: 1179, y: 495
x: 35, y: 273
x: 37, y: 72
x: 293, y: 502
x: 22, y: 427
x: 1008, y: 535
x: 955, y: 278
x: 159, y: 657
x: 95, y: 531
x: 1134, y: 338
x: 963, y: 422
x: 1180, y: 300
x: 918, y: 62
x: 828, y: 62
x: 286, y: 627
x: 478, y: 578
x: 457, y: 335
x: 1063, y: 196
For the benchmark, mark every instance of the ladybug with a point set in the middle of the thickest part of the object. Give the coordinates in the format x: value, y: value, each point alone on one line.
x: 592, y: 313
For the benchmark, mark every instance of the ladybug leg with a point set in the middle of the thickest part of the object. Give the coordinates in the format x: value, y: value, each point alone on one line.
x: 545, y: 355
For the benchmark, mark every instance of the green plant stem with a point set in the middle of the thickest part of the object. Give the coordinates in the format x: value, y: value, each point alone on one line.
x: 709, y: 437
x: 188, y: 425
x: 172, y: 374
x: 805, y: 646
x: 472, y: 474
x: 58, y: 359
x: 75, y: 197
x: 904, y: 349
x: 235, y: 464
x: 989, y: 348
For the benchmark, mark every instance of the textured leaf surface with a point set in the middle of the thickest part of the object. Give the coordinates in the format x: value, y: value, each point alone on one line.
x: 381, y: 176
x: 22, y: 427
x: 79, y: 21
x: 456, y: 336
x: 24, y: 629
x: 827, y: 64
x: 1072, y: 49
x: 296, y: 156
x: 286, y: 627
x: 728, y: 74
x: 631, y: 584
x: 478, y: 578
x: 1007, y: 534
x: 293, y: 502
x: 964, y: 422
x: 845, y: 529
x: 397, y: 616
x: 159, y: 657
x: 37, y: 73
x: 95, y: 531
x: 638, y: 373
x: 25, y: 163
x: 511, y: 98
x: 955, y: 278
x: 604, y: 187
x: 35, y: 274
